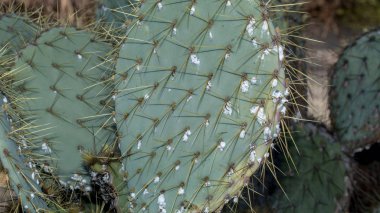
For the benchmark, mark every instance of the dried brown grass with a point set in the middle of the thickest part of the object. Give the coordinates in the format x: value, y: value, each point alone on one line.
x: 72, y: 12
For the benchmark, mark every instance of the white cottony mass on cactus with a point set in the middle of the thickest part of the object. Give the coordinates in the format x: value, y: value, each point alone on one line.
x: 195, y: 60
x: 161, y: 203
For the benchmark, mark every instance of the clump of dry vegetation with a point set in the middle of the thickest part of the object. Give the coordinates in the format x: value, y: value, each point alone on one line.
x: 73, y: 12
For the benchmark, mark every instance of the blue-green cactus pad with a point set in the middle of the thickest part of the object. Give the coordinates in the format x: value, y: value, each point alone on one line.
x: 200, y: 92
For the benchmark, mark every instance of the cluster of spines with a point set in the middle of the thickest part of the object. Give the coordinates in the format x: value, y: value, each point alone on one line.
x: 289, y: 20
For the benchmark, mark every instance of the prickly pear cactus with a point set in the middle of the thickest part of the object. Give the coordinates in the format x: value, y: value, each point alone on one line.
x: 317, y: 183
x: 115, y: 12
x: 355, y: 92
x: 63, y: 79
x: 16, y: 32
x: 200, y: 95
x: 21, y: 176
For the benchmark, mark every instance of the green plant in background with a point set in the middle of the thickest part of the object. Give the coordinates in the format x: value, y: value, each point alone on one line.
x: 351, y: 13
x: 200, y: 96
x: 316, y: 180
x: 354, y: 95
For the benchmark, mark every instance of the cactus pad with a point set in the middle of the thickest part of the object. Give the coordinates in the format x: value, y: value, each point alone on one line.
x: 62, y: 77
x: 200, y: 95
x: 320, y: 180
x: 355, y: 92
x: 22, y: 177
